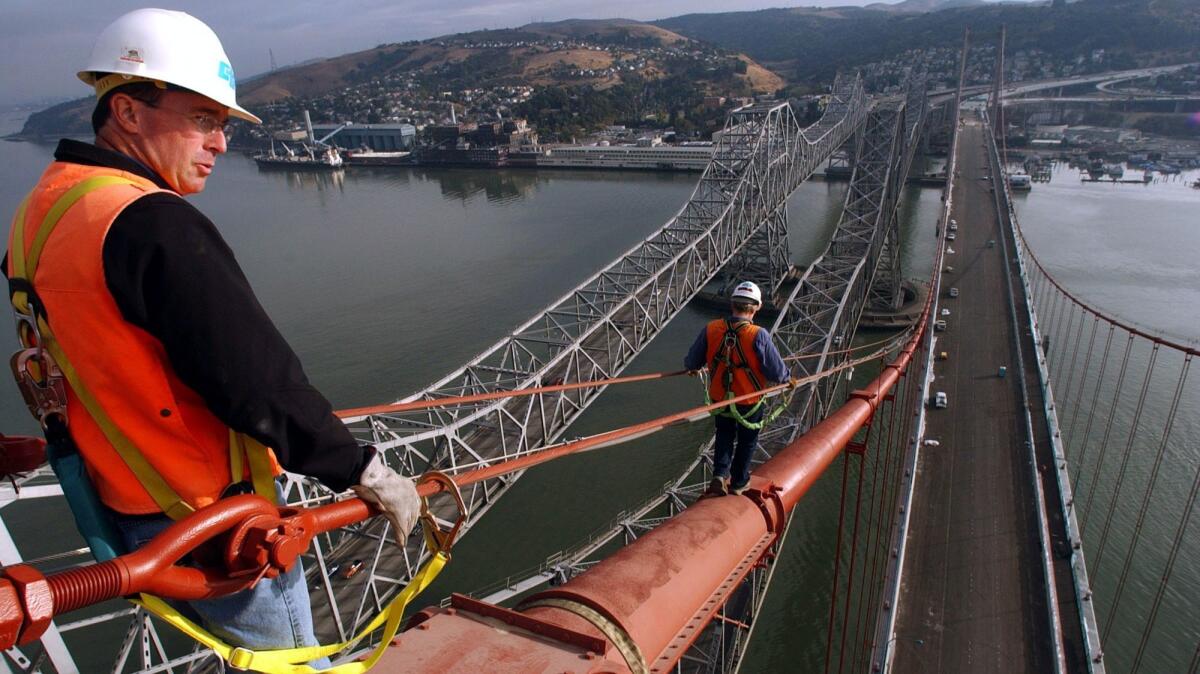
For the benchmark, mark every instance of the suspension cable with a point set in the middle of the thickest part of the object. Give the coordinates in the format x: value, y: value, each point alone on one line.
x: 1087, y: 431
x: 854, y: 553
x: 1150, y: 485
x: 837, y: 562
x: 468, y: 474
x: 1137, y: 417
x: 1074, y: 349
x: 1176, y: 544
x: 415, y: 405
x: 1108, y: 424
x: 1074, y: 357
x: 875, y: 529
x: 1087, y: 364
x: 1128, y: 326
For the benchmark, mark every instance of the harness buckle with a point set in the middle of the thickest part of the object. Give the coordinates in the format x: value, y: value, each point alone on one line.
x: 41, y: 383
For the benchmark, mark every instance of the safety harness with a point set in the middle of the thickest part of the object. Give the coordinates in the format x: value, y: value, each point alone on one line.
x: 724, y: 365
x: 41, y: 366
x: 43, y: 371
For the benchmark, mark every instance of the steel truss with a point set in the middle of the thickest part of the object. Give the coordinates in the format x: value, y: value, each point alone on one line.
x: 819, y: 316
x: 592, y: 332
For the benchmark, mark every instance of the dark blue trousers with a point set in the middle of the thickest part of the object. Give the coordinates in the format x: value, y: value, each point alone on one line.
x: 734, y: 446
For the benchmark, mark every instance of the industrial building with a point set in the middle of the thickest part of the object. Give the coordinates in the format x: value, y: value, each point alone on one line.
x: 377, y: 137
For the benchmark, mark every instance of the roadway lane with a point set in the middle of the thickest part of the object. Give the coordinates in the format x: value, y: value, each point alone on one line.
x: 973, y: 597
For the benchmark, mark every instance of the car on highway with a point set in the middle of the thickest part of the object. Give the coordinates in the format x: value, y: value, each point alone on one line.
x: 939, y: 325
x: 353, y: 569
x: 951, y: 236
x: 954, y: 292
x: 939, y: 400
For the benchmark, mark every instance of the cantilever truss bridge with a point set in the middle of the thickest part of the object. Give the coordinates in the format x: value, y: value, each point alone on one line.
x: 735, y: 221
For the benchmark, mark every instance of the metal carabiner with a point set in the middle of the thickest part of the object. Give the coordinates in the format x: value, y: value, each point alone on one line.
x: 438, y: 539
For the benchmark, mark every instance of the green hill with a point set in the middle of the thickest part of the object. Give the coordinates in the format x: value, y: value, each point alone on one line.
x: 809, y: 44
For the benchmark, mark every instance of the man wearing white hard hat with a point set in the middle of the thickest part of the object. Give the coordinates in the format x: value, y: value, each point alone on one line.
x: 741, y: 358
x: 166, y: 376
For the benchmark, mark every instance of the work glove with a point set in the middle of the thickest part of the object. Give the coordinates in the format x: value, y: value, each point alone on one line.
x: 392, y: 493
x: 793, y: 382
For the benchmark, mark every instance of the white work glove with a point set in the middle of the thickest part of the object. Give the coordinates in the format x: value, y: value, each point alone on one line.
x: 392, y: 493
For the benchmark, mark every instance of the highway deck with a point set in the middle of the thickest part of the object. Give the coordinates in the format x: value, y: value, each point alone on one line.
x: 973, y: 597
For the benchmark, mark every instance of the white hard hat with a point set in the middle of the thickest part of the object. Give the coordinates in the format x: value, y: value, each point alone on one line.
x: 165, y: 46
x: 748, y: 290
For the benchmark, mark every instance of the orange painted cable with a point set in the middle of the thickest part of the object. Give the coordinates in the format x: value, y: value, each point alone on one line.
x: 622, y: 435
x: 498, y: 395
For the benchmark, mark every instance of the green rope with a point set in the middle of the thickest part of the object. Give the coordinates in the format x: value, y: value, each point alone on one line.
x: 732, y: 410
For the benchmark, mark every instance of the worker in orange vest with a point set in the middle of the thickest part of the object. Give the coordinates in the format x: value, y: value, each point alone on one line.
x: 741, y: 358
x: 144, y: 347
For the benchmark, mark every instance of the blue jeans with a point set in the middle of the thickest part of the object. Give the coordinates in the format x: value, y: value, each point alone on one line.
x: 724, y: 456
x: 273, y: 614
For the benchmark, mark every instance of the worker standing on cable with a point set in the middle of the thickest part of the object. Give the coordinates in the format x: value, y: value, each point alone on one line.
x: 741, y: 358
x: 173, y: 379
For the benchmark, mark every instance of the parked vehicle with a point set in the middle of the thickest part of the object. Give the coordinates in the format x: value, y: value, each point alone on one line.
x: 353, y: 569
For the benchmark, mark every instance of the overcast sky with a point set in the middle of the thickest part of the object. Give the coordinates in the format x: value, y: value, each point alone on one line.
x: 46, y: 42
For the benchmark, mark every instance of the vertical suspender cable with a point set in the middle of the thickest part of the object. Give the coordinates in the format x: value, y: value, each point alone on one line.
x: 1074, y: 356
x: 1087, y: 364
x: 1057, y: 372
x: 1116, y: 497
x: 1108, y: 424
x: 837, y: 564
x: 881, y: 523
x: 1176, y: 544
x: 1087, y: 431
x: 1150, y: 485
x: 1074, y: 350
x: 853, y: 553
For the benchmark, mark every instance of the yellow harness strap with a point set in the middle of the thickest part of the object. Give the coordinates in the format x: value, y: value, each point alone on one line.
x: 243, y: 450
x: 293, y: 660
x: 25, y: 267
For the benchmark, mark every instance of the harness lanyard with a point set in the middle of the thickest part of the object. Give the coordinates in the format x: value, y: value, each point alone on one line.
x: 25, y: 267
x: 293, y: 660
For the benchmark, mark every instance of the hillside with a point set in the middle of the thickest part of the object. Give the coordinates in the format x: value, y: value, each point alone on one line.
x: 808, y: 44
x: 601, y: 54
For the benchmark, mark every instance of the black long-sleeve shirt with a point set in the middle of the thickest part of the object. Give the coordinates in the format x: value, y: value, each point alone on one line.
x: 174, y: 276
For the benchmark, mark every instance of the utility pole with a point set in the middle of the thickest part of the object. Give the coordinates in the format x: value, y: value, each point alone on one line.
x: 272, y: 54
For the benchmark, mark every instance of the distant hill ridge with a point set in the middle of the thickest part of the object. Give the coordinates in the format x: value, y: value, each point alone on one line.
x: 809, y: 44
x: 798, y: 44
x: 526, y: 58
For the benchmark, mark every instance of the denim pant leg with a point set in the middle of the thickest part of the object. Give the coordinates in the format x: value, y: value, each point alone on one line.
x: 275, y: 613
x: 723, y: 445
x: 747, y: 440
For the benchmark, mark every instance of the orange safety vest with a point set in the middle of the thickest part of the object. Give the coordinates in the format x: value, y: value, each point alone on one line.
x: 732, y: 342
x: 123, y: 368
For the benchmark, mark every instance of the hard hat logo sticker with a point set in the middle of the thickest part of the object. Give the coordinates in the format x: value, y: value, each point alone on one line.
x: 225, y: 72
x: 131, y: 54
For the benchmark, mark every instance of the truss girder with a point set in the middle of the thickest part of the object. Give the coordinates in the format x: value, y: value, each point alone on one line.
x: 817, y: 320
x: 592, y: 332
